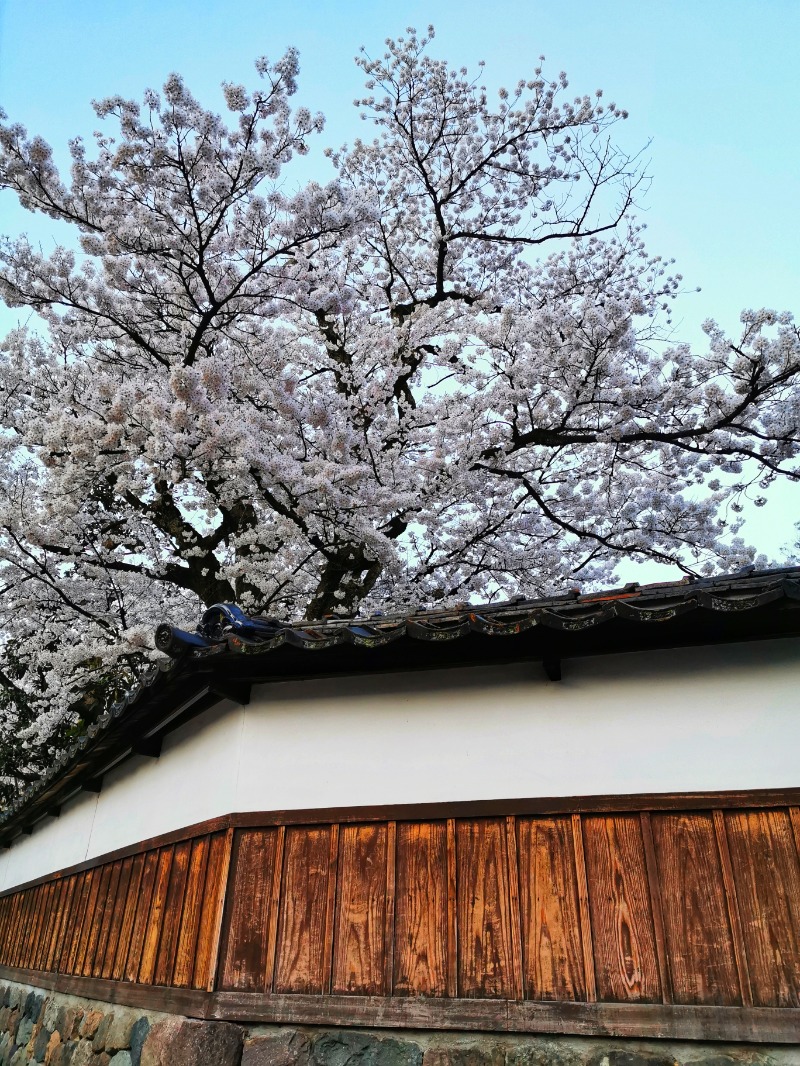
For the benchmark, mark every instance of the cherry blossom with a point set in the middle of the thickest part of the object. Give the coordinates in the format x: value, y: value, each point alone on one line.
x: 441, y: 376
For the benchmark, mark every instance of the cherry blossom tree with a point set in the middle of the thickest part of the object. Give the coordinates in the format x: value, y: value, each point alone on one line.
x: 443, y: 375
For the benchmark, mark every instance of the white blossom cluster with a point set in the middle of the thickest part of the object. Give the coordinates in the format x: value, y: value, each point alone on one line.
x: 437, y: 378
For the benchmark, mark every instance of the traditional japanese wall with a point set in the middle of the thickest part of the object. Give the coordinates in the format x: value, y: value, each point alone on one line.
x: 695, y: 719
x: 662, y: 922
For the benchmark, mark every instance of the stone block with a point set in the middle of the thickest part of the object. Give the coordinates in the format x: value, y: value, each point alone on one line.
x: 138, y: 1036
x: 68, y: 1022
x: 24, y: 1030
x: 33, y: 1004
x: 53, y: 1044
x: 40, y: 1039
x: 51, y: 1012
x: 100, y: 1059
x: 91, y: 1023
x: 287, y: 1047
x: 82, y: 1053
x: 99, y: 1041
x: 122, y: 1058
x: 477, y: 1053
x: 186, y: 1042
x: 360, y: 1049
x: 544, y: 1053
x: 118, y: 1034
x: 633, y: 1057
x: 19, y: 1058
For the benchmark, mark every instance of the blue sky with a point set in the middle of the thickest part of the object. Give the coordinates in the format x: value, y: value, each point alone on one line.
x: 711, y: 86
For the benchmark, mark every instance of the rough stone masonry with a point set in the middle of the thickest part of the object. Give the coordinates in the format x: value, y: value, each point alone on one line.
x: 52, y: 1029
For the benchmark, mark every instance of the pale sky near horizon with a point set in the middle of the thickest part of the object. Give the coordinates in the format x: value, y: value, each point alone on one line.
x: 711, y: 86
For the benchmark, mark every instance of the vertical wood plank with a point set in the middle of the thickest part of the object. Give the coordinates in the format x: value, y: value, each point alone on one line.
x: 246, y: 933
x: 19, y: 928
x: 484, y: 910
x: 794, y: 818
x: 217, y: 870
x: 117, y: 913
x: 104, y: 876
x: 551, y: 928
x: 34, y: 925
x: 43, y: 940
x: 388, y: 939
x: 128, y: 918
x: 62, y: 929
x: 56, y: 932
x: 623, y: 930
x: 330, y: 910
x: 155, y: 919
x: 420, y: 952
x: 300, y: 961
x: 698, y: 936
x: 766, y: 874
x: 42, y: 935
x: 657, y: 907
x: 72, y: 924
x: 358, y: 958
x: 583, y: 909
x: 173, y: 911
x: 513, y: 892
x: 275, y: 901
x: 219, y: 912
x: 109, y: 902
x: 190, y: 919
x: 733, y: 909
x: 452, y: 910
x: 93, y: 887
x: 141, y: 916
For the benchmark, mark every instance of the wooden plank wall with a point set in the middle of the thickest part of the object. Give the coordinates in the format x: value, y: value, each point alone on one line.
x: 656, y: 907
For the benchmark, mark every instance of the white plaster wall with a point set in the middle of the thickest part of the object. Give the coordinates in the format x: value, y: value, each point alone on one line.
x: 680, y: 720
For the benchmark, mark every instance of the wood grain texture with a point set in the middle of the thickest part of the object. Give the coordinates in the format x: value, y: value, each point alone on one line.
x: 274, y: 906
x: 732, y: 904
x: 552, y: 955
x: 700, y: 907
x: 209, y: 931
x: 698, y: 935
x: 587, y: 946
x: 301, y: 931
x: 190, y: 918
x: 128, y: 918
x: 246, y: 930
x: 330, y: 909
x: 483, y: 909
x: 109, y: 904
x: 172, y: 914
x: 141, y: 917
x: 93, y: 889
x: 626, y: 962
x: 358, y: 953
x: 420, y: 941
x: 452, y: 911
x: 765, y: 869
x: 389, y: 909
x: 117, y: 912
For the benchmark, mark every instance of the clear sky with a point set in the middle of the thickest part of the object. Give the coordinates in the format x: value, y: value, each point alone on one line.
x: 711, y: 85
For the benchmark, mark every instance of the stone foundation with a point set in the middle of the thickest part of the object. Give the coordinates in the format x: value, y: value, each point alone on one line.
x: 51, y: 1029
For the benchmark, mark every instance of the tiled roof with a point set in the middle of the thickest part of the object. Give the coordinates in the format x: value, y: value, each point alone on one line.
x: 231, y: 650
x: 226, y: 629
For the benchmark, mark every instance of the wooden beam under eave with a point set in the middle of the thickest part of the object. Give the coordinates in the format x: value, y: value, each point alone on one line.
x: 237, y: 691
x: 148, y: 746
x: 552, y: 668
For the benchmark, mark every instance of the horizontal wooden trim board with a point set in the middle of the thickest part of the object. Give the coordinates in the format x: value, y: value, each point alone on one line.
x: 635, y: 801
x: 673, y: 919
x: 747, y: 1025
